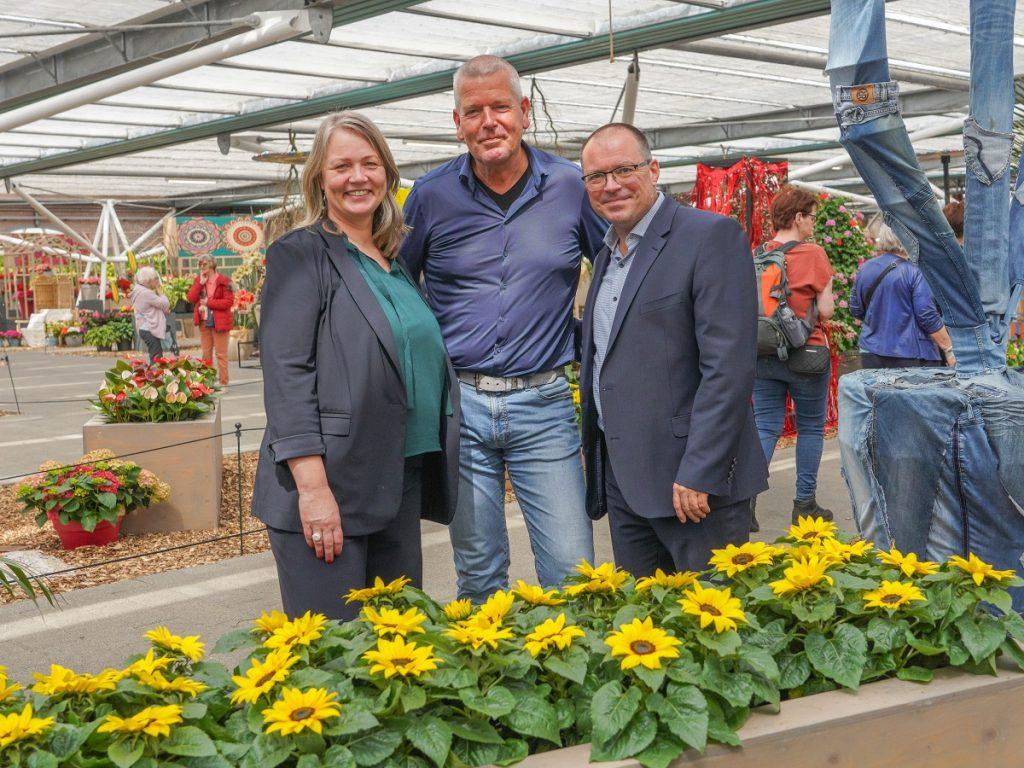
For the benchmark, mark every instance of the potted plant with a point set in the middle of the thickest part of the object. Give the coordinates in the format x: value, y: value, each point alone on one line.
x: 169, y: 389
x: 72, y: 335
x: 52, y: 333
x: 175, y: 289
x: 87, y: 501
x: 103, y: 337
x: 13, y: 338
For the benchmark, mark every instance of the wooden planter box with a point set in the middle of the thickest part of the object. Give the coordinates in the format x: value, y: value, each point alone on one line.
x: 958, y: 720
x: 193, y: 470
x: 240, y: 351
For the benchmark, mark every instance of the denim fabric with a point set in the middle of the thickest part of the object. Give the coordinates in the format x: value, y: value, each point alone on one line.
x: 533, y: 433
x: 810, y: 398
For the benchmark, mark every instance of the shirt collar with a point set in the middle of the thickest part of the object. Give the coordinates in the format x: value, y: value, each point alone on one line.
x: 611, y: 239
x: 537, y: 168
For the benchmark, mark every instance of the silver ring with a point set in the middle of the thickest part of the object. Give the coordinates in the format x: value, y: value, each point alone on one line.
x: 317, y: 536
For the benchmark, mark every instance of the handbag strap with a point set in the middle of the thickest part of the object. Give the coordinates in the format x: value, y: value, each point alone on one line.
x: 878, y: 281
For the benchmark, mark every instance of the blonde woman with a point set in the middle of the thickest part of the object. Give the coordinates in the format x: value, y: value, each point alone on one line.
x: 362, y: 414
x: 151, y: 308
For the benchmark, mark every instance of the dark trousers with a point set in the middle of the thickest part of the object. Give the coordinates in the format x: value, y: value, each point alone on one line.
x: 153, y: 345
x: 643, y: 544
x: 309, y: 584
x: 871, y: 360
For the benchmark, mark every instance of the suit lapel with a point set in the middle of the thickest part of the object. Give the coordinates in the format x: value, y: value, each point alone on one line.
x: 364, y: 298
x: 646, y: 252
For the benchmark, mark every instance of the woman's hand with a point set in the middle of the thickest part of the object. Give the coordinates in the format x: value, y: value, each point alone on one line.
x: 321, y: 523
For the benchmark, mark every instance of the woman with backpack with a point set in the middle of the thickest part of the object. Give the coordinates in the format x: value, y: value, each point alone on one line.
x: 805, y: 286
x: 902, y: 324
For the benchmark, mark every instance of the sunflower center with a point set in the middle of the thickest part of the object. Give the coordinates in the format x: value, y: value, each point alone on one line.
x: 302, y: 713
x: 890, y: 599
x: 402, y: 662
x: 743, y: 558
x: 641, y: 647
x: 809, y: 535
x: 266, y: 678
x: 711, y: 609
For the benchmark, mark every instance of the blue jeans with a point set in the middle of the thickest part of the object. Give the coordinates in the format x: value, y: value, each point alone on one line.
x: 532, y: 432
x: 773, y: 382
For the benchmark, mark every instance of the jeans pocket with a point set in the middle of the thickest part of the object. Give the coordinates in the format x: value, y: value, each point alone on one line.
x: 554, y: 390
x: 987, y: 152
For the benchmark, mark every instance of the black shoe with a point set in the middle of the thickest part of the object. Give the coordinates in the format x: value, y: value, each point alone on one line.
x: 754, y: 525
x: 810, y: 508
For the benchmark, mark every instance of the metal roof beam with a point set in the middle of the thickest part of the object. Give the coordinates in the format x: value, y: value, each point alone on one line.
x: 656, y: 33
x: 94, y: 57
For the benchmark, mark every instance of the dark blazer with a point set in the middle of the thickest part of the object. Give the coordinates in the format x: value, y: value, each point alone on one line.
x: 678, y: 376
x: 332, y: 387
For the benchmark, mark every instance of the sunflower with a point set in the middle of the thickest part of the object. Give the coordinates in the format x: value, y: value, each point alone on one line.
x: 457, y: 610
x: 149, y: 664
x: 815, y: 549
x: 803, y: 575
x: 152, y: 721
x: 733, y: 559
x: 379, y: 589
x: 892, y: 595
x: 65, y: 682
x: 978, y: 569
x: 552, y: 633
x: 298, y: 710
x: 270, y: 622
x: 397, y: 657
x: 676, y: 580
x: 262, y: 676
x: 809, y: 529
x: 713, y: 607
x: 304, y: 630
x: 476, y: 635
x: 908, y: 563
x: 19, y: 726
x: 604, y: 578
x: 7, y: 689
x: 493, y: 611
x: 389, y: 621
x: 841, y: 551
x: 189, y: 646
x: 641, y: 643
x: 158, y: 682
x: 535, y: 595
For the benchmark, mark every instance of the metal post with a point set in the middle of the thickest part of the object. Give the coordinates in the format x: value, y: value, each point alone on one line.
x: 14, y: 389
x: 945, y: 176
x: 630, y: 93
x: 238, y: 471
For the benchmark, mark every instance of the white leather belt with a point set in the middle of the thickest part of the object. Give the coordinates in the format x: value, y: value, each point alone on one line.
x: 484, y: 383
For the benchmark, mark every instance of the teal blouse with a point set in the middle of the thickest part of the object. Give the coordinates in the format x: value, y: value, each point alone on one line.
x: 421, y: 352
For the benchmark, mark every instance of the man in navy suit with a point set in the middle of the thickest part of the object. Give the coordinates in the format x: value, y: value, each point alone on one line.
x: 669, y: 347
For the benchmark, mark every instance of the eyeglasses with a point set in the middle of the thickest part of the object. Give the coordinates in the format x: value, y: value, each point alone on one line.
x: 598, y: 179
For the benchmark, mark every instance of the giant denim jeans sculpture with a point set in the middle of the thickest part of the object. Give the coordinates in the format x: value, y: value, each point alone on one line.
x: 934, y: 461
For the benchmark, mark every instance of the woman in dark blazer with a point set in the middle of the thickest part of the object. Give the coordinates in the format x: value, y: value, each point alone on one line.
x: 362, y: 409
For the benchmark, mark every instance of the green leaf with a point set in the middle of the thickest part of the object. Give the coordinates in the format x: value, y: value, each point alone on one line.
x: 634, y: 738
x: 684, y: 711
x: 724, y: 644
x: 915, y: 674
x: 474, y: 753
x: 479, y: 731
x: 760, y: 661
x: 308, y: 761
x: 354, y: 719
x: 982, y: 636
x: 108, y: 500
x: 794, y: 669
x: 41, y: 759
x: 822, y: 609
x: 267, y: 751
x: 772, y: 637
x: 310, y: 677
x: 338, y: 756
x: 565, y: 714
x: 840, y: 657
x: 653, y: 678
x: 719, y: 728
x: 1000, y: 598
x: 627, y: 613
x: 453, y: 678
x: 497, y: 702
x: 886, y: 634
x: 193, y: 710
x: 413, y: 698
x: 188, y: 741
x: 431, y: 737
x: 611, y: 709
x: 534, y: 716
x: 512, y: 751
x: 735, y: 687
x: 374, y: 747
x: 235, y: 640
x: 845, y: 580
x: 66, y: 739
x: 570, y: 666
x: 1015, y: 652
x: 124, y: 753
x: 924, y: 647
x: 663, y: 751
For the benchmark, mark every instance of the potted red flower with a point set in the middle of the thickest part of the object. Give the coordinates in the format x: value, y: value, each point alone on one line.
x: 86, y: 502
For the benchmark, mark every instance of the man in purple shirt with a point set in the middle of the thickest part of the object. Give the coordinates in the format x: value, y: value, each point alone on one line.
x: 498, y: 234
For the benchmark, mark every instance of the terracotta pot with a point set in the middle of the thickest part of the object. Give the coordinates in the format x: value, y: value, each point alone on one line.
x: 73, y: 535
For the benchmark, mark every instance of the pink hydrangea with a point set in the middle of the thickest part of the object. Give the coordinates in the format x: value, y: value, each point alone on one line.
x: 830, y: 222
x: 847, y: 233
x: 843, y: 304
x: 828, y: 239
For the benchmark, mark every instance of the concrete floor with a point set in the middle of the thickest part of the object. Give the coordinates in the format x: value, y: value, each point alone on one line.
x: 101, y: 626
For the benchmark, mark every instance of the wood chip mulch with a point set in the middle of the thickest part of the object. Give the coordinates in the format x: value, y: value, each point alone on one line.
x: 18, y: 531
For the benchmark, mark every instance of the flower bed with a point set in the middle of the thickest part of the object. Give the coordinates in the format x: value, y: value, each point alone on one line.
x: 169, y: 389
x: 642, y: 668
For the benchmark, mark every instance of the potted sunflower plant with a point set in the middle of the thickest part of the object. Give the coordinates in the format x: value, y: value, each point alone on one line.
x: 86, y: 501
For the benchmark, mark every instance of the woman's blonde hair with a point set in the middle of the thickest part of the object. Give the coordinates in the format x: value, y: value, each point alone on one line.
x: 886, y: 241
x: 388, y: 225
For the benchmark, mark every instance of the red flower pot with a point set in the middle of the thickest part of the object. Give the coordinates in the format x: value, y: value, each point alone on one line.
x: 73, y: 535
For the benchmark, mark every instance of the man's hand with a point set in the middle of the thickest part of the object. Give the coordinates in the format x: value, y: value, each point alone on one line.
x: 689, y: 504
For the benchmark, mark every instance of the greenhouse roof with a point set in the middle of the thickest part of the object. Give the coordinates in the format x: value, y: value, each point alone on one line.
x: 83, y: 117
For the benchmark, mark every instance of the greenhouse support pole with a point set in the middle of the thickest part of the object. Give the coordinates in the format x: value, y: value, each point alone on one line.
x: 42, y: 210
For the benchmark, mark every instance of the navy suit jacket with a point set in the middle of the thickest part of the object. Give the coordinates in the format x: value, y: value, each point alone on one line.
x: 678, y: 376
x: 332, y: 387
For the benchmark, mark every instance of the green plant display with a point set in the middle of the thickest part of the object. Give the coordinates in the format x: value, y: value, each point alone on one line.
x: 840, y: 231
x: 169, y: 389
